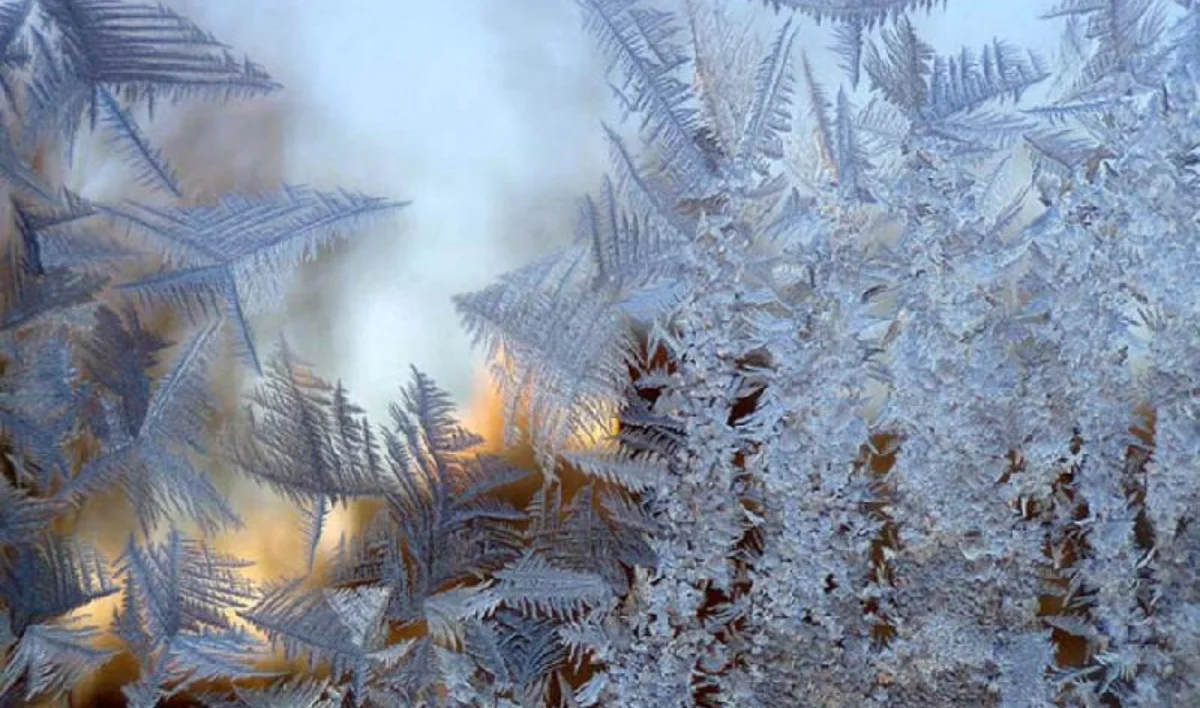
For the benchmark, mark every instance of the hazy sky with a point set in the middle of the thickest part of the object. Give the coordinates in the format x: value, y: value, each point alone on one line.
x: 484, y: 113
x: 485, y: 116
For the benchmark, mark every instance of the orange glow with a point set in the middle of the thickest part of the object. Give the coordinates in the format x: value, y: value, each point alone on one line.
x: 271, y: 538
x: 484, y: 415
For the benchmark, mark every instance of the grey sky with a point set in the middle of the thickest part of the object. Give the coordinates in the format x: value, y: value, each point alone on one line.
x: 484, y: 114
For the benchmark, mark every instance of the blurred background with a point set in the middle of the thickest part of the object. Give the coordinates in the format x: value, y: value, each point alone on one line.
x: 483, y: 114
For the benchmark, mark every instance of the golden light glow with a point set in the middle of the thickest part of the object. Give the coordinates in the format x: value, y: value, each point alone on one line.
x: 271, y: 538
x: 484, y: 415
